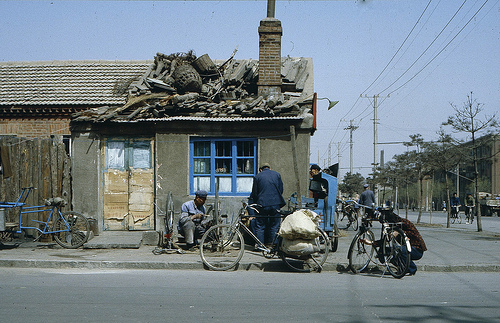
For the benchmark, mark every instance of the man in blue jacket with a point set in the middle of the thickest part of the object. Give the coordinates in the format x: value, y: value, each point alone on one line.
x: 267, y: 192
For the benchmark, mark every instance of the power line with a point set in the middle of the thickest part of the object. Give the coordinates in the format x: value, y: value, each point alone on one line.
x: 401, y: 46
x: 422, y: 54
x: 441, y: 49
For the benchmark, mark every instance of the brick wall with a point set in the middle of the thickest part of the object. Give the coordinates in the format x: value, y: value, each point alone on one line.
x: 270, y: 32
x: 34, y: 127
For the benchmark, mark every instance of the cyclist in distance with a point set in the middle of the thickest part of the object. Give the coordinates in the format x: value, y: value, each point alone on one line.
x: 454, y: 205
x: 470, y: 203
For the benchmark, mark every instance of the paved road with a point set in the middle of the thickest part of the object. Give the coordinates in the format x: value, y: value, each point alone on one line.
x: 72, y: 295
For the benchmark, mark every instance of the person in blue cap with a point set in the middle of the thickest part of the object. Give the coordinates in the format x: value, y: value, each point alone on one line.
x: 193, y: 221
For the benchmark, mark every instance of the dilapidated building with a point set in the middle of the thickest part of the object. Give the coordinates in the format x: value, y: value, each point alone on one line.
x: 138, y: 130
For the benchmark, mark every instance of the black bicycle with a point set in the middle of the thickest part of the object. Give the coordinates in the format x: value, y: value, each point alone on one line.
x: 392, y: 253
x: 349, y: 217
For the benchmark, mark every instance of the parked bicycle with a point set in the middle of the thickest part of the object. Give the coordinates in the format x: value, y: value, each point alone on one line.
x: 455, y: 214
x: 393, y: 253
x: 222, y: 246
x: 69, y: 229
x: 349, y: 215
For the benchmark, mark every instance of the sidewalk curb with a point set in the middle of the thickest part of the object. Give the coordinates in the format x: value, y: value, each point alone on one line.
x: 276, y: 265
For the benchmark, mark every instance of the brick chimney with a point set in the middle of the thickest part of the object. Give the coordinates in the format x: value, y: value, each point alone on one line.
x: 270, y: 32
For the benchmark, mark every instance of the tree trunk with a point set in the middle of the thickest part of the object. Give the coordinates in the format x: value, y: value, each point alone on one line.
x: 476, y: 185
x: 431, y: 206
x: 448, y: 208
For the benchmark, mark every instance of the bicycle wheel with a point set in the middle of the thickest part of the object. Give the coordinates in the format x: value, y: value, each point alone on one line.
x: 360, y: 254
x: 459, y: 218
x: 222, y: 247
x: 73, y: 230
x: 354, y: 222
x: 396, y: 253
x: 169, y: 216
x: 311, y: 262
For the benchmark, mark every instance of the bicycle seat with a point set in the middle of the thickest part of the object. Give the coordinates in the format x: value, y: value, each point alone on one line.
x: 56, y: 201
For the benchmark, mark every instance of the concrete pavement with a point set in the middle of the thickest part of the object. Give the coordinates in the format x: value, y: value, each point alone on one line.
x: 456, y: 249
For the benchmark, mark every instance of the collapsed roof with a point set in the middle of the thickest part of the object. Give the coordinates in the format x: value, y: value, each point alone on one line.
x: 182, y: 85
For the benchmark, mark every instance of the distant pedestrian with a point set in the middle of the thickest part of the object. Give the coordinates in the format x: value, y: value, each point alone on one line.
x: 367, y: 198
x: 267, y: 193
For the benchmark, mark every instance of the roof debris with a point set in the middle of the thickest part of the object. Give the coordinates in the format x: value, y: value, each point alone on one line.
x: 182, y: 84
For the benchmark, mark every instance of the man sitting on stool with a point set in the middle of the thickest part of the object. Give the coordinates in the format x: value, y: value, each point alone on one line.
x: 193, y: 221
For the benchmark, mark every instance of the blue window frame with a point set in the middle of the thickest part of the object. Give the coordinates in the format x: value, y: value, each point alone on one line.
x: 229, y: 162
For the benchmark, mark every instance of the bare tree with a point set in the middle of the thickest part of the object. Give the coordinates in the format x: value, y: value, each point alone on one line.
x: 443, y: 155
x: 467, y: 119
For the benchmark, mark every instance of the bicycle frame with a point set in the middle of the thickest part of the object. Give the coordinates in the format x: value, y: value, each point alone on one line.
x: 46, y: 227
x: 26, y: 209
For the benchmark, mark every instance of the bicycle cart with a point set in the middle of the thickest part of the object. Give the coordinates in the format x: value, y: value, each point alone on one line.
x: 69, y: 229
x: 222, y: 247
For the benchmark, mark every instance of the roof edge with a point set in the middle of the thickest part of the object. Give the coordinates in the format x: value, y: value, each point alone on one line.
x: 74, y: 62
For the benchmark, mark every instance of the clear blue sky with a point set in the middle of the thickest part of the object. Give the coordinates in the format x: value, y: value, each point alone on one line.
x: 351, y: 42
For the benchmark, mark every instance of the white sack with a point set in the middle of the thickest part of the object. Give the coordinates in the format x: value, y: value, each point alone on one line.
x: 299, y: 247
x: 301, y: 224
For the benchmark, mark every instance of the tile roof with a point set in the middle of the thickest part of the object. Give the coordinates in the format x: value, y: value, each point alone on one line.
x: 90, y: 83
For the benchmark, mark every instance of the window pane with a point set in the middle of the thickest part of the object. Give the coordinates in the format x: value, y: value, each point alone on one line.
x: 115, y: 154
x: 141, y: 155
x: 223, y: 148
x: 223, y: 166
x: 225, y: 184
x: 202, y: 166
x: 202, y: 148
x: 245, y: 148
x: 245, y: 166
x: 202, y: 183
x: 244, y: 184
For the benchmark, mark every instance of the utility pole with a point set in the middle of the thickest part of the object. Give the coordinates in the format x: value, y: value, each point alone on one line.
x: 351, y: 129
x: 375, y: 137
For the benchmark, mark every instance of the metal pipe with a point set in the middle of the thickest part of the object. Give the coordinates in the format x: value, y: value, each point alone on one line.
x: 270, y: 8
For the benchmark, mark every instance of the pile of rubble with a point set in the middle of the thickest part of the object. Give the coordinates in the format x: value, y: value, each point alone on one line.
x: 182, y: 84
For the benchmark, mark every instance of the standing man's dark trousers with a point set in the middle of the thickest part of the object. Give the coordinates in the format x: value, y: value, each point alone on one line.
x: 267, y: 223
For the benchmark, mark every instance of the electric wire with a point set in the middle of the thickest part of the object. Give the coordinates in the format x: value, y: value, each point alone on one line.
x: 441, y: 49
x: 422, y: 54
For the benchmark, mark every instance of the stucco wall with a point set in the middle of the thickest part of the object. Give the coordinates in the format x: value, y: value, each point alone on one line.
x: 171, y: 162
x: 85, y: 174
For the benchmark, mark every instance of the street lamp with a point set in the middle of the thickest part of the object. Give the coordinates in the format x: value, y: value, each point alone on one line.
x: 331, y: 104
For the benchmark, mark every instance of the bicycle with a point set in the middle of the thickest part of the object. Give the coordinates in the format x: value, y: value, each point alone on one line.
x: 69, y: 229
x: 348, y: 210
x: 167, y: 244
x: 455, y: 214
x: 469, y: 214
x: 222, y: 246
x: 393, y: 254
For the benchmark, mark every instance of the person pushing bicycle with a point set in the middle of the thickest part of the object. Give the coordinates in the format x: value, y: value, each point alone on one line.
x: 416, y: 241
